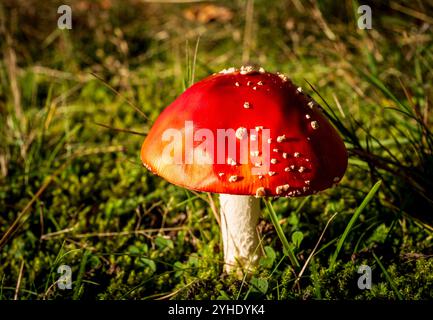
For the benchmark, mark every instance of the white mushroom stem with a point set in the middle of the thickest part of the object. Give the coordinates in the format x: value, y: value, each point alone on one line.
x: 239, y: 217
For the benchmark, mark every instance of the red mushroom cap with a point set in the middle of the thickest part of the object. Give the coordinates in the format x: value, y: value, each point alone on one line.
x: 284, y: 145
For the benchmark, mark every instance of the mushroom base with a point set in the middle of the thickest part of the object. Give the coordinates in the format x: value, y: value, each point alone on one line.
x: 239, y: 217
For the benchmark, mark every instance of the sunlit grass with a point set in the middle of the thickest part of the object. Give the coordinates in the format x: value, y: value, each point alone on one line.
x: 73, y: 190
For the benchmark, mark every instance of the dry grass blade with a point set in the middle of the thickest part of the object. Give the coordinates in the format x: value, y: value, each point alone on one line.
x: 11, y: 64
x: 298, y: 5
x: 410, y: 12
x: 57, y: 234
x: 314, y: 250
x: 337, y: 102
x: 120, y: 95
x: 20, y: 276
x: 97, y: 150
x: 317, y: 14
x: 23, y: 212
x: 119, y: 129
x: 3, y: 165
x: 213, y: 208
x: 248, y: 32
x: 18, y: 220
x: 61, y: 75
x: 174, y: 293
x: 41, y: 220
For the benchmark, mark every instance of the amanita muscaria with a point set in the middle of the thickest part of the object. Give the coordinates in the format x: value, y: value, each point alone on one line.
x: 245, y: 134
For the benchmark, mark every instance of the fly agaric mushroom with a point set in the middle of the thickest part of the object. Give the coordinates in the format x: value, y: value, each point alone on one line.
x: 245, y: 134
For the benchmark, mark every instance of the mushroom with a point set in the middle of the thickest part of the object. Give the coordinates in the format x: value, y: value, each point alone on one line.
x: 220, y: 136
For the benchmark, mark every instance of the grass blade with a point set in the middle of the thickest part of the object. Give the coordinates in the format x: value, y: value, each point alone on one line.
x: 287, y: 248
x: 78, y: 289
x: 352, y: 221
x: 388, y: 278
x: 381, y: 86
